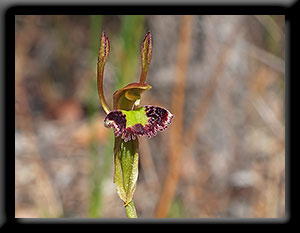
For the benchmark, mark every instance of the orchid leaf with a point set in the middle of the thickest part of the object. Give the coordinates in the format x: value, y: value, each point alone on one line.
x: 118, y: 178
x: 129, y: 164
x: 126, y: 168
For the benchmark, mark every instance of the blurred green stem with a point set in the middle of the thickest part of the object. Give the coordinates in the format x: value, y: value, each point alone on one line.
x: 130, y: 210
x: 132, y: 29
x: 100, y: 164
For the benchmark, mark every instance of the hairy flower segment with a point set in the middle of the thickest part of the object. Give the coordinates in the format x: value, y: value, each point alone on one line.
x: 143, y: 121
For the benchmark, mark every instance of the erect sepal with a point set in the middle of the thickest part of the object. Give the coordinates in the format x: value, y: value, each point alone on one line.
x: 103, y: 50
x: 102, y: 58
x: 146, y: 55
x: 144, y: 121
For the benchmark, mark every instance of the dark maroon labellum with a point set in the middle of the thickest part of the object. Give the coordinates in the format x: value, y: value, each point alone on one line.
x: 158, y: 120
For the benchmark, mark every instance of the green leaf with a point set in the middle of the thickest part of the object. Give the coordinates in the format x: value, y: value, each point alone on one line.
x: 118, y: 178
x: 126, y: 168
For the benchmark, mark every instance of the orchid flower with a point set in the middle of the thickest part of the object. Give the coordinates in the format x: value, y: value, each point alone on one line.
x: 129, y: 121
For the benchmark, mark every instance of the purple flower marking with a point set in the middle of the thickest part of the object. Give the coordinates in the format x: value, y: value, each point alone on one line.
x: 159, y: 119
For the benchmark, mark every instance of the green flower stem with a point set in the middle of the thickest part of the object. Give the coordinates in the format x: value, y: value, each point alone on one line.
x: 130, y: 210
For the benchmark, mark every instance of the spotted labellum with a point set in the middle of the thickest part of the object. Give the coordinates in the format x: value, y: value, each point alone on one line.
x: 143, y: 121
x: 129, y: 121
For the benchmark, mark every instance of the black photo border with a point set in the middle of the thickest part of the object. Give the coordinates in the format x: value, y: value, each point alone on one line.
x: 9, y: 220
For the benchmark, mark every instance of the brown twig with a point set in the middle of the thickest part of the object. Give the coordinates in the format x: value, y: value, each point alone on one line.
x: 148, y: 166
x: 175, y: 145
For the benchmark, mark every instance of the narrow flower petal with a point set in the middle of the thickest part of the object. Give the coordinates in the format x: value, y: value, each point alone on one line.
x: 145, y: 121
x: 146, y: 55
x: 102, y: 58
x: 103, y: 49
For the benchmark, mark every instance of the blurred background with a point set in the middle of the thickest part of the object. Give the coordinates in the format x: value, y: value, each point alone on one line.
x: 222, y: 76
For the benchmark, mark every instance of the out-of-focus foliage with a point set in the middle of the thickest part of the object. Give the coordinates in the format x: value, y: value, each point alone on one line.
x: 232, y: 155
